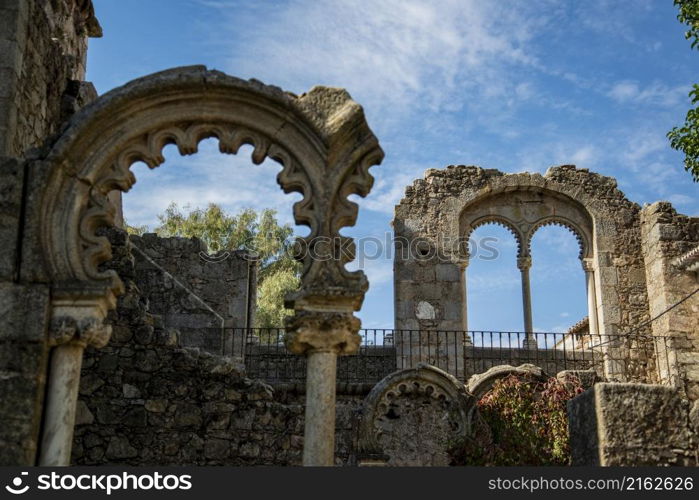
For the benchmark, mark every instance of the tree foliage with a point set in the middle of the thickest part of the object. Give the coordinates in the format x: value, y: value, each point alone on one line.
x: 137, y: 230
x: 686, y: 137
x: 257, y: 232
x: 689, y: 15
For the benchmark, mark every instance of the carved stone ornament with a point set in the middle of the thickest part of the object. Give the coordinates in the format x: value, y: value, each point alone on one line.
x: 322, y: 331
x: 321, y: 139
x: 88, y: 331
x: 413, y: 416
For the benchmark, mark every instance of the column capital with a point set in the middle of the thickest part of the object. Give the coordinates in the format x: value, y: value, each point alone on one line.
x: 524, y: 262
x: 84, y: 332
x: 462, y: 262
x: 588, y: 264
x: 78, y: 311
x: 322, y: 331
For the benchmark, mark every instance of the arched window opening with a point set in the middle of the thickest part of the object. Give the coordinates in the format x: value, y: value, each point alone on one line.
x: 558, y: 288
x: 493, y: 285
x: 225, y: 289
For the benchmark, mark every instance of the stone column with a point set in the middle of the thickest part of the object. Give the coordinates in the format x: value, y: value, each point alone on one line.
x: 321, y: 336
x: 463, y: 266
x: 588, y: 267
x: 69, y: 337
x: 524, y: 263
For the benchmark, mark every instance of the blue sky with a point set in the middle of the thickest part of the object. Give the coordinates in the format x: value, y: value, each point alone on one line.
x: 517, y: 86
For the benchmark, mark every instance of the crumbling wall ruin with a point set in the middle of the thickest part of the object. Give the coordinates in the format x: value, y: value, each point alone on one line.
x: 626, y: 424
x: 203, y: 296
x: 42, y: 62
x: 439, y: 212
x: 42, y: 65
x: 668, y: 236
x: 147, y: 399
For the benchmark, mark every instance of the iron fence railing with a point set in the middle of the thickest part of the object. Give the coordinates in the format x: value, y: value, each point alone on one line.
x: 633, y: 358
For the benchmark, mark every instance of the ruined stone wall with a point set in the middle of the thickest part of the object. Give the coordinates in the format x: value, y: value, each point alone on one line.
x: 632, y: 425
x: 275, y: 363
x: 429, y: 288
x: 666, y: 236
x: 23, y: 362
x: 44, y: 47
x: 201, y: 296
x: 144, y: 399
x: 42, y: 60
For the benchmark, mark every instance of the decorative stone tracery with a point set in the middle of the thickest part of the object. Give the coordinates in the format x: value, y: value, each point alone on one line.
x: 320, y: 138
x: 413, y: 417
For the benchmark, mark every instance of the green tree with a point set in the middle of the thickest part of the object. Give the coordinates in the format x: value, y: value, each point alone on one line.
x: 137, y: 230
x: 259, y: 232
x: 686, y: 137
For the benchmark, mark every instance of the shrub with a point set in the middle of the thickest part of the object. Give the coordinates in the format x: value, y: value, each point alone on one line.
x: 521, y: 421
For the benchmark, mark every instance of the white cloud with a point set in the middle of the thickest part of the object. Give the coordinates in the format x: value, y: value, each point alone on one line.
x: 656, y: 94
x: 681, y: 199
x: 486, y: 280
x: 637, y: 146
x: 394, y: 54
x: 613, y: 17
x: 389, y: 188
x: 234, y: 182
x: 539, y: 157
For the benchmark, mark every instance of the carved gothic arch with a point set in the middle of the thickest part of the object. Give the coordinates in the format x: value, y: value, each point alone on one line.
x: 501, y: 206
x: 479, y: 384
x: 580, y: 235
x: 500, y: 221
x: 321, y: 139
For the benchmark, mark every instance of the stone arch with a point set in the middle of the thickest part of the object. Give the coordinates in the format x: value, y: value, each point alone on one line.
x: 524, y: 210
x: 320, y: 138
x: 389, y: 416
x: 478, y: 385
x: 500, y: 221
x: 590, y: 204
x: 584, y: 244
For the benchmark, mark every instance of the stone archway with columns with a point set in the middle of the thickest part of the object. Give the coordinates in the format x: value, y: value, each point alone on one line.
x: 325, y: 147
x: 441, y: 211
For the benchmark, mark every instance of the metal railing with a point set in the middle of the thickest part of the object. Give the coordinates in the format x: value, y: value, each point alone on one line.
x: 632, y: 358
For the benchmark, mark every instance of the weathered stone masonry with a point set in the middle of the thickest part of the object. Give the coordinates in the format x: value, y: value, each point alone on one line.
x: 667, y: 237
x: 638, y: 263
x: 42, y: 62
x: 42, y: 65
x: 202, y: 296
x: 65, y: 156
x: 147, y: 400
x: 65, y: 184
x: 447, y: 205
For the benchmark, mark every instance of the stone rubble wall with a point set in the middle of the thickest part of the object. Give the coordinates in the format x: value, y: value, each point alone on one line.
x: 274, y: 363
x: 44, y: 48
x: 632, y: 425
x: 666, y: 236
x: 24, y: 311
x: 199, y: 295
x: 42, y: 60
